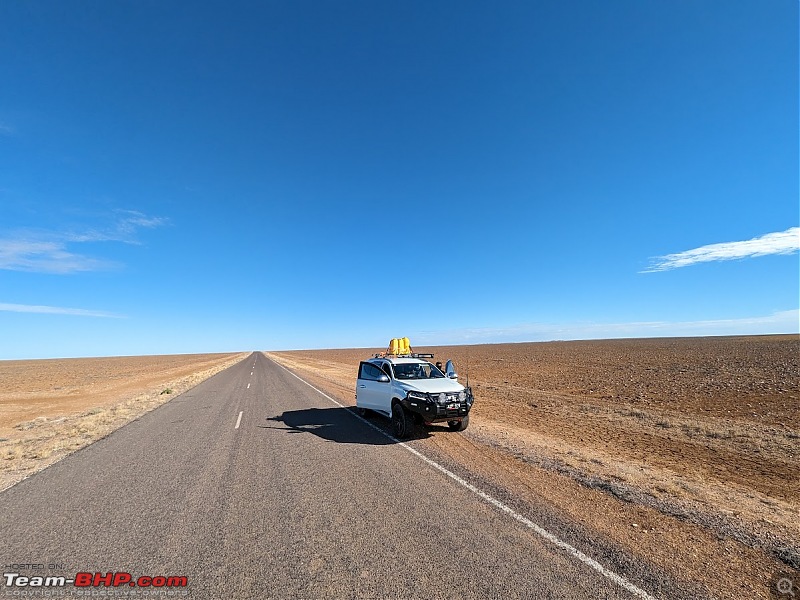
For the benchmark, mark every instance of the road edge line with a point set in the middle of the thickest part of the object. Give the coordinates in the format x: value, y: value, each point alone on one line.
x: 538, y: 529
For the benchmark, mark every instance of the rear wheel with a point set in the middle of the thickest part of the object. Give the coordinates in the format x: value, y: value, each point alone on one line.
x: 402, y: 422
x: 458, y: 425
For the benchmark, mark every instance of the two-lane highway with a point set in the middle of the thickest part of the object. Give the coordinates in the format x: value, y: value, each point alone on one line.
x: 254, y: 485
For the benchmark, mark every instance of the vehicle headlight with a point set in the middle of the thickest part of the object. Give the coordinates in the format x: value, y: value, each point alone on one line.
x: 462, y: 395
x: 418, y: 396
x: 442, y: 398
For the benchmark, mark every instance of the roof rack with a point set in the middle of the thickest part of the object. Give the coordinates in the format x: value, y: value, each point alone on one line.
x: 411, y: 355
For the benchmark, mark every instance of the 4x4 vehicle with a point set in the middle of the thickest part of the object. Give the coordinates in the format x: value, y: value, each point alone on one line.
x: 410, y: 390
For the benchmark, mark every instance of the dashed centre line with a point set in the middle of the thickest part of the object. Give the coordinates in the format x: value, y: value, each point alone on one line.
x: 239, y: 420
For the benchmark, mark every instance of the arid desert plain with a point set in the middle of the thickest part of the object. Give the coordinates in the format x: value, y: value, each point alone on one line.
x: 683, y: 451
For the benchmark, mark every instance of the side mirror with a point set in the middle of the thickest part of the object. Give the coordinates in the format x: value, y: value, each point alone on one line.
x: 383, y: 379
x: 450, y: 370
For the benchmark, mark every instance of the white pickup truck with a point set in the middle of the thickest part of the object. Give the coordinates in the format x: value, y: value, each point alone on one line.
x: 410, y: 390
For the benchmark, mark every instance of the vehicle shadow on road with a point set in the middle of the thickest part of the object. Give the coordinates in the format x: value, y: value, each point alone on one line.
x: 336, y: 425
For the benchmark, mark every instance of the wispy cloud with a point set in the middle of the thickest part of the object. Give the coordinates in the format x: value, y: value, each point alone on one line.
x: 782, y: 242
x: 787, y: 321
x: 45, y: 257
x: 123, y: 229
x: 52, y: 252
x: 57, y: 310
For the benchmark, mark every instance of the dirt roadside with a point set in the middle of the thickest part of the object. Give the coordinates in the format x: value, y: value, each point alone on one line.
x: 682, y: 451
x: 51, y: 408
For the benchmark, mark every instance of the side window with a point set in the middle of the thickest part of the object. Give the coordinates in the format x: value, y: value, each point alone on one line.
x: 362, y: 370
x: 387, y: 368
x: 369, y: 371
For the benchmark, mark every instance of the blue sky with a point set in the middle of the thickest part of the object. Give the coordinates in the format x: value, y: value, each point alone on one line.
x: 230, y: 176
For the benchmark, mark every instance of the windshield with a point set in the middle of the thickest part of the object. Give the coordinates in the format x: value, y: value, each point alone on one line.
x: 417, y: 371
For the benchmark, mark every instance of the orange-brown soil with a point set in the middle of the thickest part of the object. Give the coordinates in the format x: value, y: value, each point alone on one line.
x: 699, y: 437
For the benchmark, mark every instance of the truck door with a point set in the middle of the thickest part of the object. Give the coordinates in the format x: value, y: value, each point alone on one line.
x: 372, y: 385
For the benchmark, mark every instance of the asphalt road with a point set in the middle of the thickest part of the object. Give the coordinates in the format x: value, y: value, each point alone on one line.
x: 254, y: 485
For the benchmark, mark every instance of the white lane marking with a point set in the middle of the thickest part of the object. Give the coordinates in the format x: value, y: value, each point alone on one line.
x: 239, y: 420
x: 248, y: 386
x: 571, y: 550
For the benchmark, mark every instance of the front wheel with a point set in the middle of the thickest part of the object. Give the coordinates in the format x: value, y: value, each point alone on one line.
x: 402, y: 422
x: 458, y: 425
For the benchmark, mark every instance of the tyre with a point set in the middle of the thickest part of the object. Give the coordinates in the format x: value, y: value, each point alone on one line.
x: 362, y: 412
x: 458, y: 425
x: 402, y: 422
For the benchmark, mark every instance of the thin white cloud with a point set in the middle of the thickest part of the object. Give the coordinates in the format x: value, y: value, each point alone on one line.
x: 45, y: 257
x: 787, y: 321
x: 123, y: 229
x: 133, y: 219
x: 50, y: 252
x: 782, y: 242
x: 57, y: 310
